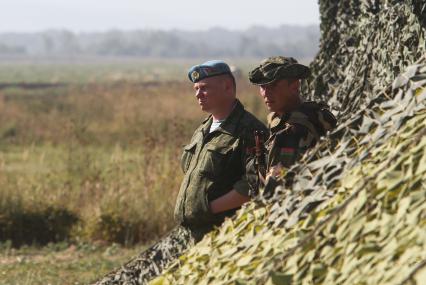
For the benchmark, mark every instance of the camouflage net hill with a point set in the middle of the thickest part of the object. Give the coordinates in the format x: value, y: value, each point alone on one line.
x: 355, y: 212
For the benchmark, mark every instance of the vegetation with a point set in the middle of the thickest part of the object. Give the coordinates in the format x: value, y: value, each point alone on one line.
x: 59, y: 263
x: 96, y: 161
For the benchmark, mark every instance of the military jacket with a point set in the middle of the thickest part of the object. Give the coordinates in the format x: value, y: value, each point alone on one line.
x: 295, y: 132
x: 290, y: 136
x: 215, y: 163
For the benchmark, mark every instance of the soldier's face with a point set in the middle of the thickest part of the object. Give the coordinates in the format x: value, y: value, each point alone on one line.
x: 280, y: 96
x: 211, y: 94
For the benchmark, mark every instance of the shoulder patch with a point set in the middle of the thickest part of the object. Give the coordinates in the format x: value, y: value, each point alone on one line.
x: 287, y: 150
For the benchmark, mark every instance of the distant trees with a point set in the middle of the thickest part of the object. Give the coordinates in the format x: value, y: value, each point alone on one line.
x: 12, y: 50
x: 297, y: 41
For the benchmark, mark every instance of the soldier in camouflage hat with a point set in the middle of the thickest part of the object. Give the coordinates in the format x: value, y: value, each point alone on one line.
x: 295, y: 125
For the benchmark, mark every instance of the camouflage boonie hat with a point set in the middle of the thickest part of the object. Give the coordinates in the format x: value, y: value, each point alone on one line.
x: 278, y: 67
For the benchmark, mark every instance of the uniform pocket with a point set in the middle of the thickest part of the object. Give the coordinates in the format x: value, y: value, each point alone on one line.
x: 215, y: 160
x: 188, y: 153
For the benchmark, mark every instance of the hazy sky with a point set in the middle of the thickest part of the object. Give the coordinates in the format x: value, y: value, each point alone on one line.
x: 99, y: 15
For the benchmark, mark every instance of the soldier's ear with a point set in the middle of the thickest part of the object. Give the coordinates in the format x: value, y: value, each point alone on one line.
x: 229, y: 85
x: 294, y: 85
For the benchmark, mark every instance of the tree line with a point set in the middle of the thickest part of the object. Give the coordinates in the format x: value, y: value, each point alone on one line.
x: 258, y: 41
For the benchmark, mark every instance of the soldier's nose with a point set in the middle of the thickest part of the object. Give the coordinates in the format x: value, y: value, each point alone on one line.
x: 198, y: 94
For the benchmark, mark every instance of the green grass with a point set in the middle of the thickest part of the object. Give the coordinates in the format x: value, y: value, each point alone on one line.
x: 60, y: 263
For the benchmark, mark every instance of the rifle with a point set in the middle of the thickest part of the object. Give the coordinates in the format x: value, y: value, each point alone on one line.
x: 260, y: 159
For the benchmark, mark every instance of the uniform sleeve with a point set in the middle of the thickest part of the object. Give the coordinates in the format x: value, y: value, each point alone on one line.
x: 247, y: 152
x: 242, y: 186
x: 302, y: 131
x: 291, y: 144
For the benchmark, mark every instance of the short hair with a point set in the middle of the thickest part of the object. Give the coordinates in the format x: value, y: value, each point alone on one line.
x: 232, y: 78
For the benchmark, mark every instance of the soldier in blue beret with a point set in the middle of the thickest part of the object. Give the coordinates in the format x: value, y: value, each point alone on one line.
x: 214, y: 162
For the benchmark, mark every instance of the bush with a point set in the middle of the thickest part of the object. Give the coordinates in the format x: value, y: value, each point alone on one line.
x: 36, y: 226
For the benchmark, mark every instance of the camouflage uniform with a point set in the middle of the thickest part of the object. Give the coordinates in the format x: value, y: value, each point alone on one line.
x: 214, y: 163
x: 293, y: 133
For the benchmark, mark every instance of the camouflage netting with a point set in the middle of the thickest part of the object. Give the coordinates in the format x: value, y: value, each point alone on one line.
x: 355, y: 212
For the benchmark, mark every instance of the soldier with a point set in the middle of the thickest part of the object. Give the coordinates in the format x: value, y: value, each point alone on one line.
x: 295, y: 125
x: 214, y: 162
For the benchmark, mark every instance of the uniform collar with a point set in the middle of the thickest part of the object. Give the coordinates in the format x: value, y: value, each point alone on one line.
x: 229, y: 126
x: 275, y: 122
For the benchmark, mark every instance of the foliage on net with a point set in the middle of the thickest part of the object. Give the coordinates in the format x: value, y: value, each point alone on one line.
x: 354, y: 212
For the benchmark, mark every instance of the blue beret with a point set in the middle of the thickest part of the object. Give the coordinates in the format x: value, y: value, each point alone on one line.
x: 208, y: 69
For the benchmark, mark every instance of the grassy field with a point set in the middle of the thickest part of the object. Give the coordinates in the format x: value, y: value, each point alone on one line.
x: 94, y: 160
x: 60, y: 263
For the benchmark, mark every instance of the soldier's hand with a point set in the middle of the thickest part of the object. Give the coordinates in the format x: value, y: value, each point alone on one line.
x: 275, y: 172
x: 273, y: 177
